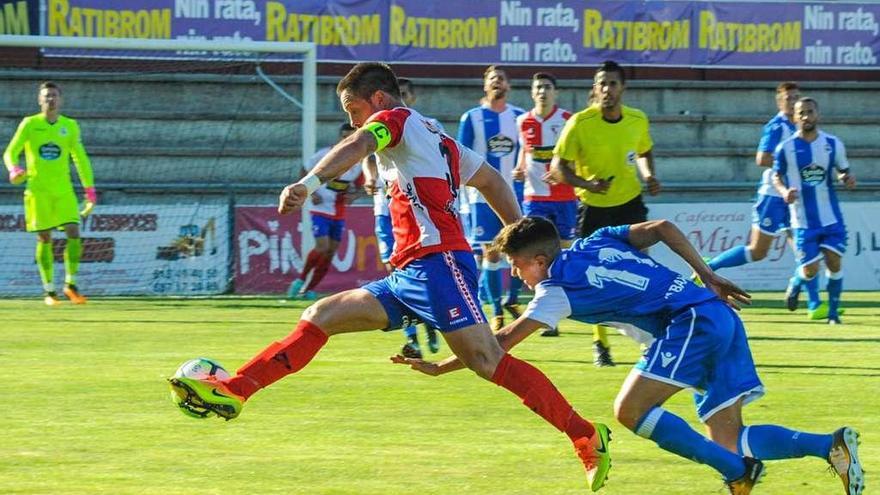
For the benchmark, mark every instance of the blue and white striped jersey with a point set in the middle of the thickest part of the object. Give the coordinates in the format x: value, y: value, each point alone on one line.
x: 492, y: 135
x: 775, y: 131
x: 807, y: 167
x: 604, y: 279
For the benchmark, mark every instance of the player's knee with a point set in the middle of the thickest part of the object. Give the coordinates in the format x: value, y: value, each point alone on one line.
x: 811, y: 270
x: 627, y: 412
x: 321, y: 314
x: 758, y: 252
x: 832, y: 263
x: 481, y: 361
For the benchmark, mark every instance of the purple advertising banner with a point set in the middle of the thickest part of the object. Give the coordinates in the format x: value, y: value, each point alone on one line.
x: 824, y: 35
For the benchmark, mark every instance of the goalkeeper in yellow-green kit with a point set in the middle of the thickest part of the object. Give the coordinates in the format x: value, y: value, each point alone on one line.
x: 48, y: 140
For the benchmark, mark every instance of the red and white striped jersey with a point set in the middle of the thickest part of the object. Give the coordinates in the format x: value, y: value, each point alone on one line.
x: 538, y: 137
x: 423, y: 169
x: 333, y: 194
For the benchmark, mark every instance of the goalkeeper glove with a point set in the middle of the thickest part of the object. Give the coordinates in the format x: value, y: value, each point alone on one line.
x: 17, y: 175
x: 91, y: 200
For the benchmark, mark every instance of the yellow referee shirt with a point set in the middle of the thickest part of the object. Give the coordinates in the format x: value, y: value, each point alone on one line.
x: 601, y: 149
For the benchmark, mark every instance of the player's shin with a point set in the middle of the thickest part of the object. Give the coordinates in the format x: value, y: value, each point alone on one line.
x: 321, y: 270
x: 541, y: 396
x: 72, y: 254
x: 834, y: 288
x: 735, y: 256
x: 45, y: 265
x: 673, y: 434
x: 278, y: 360
x: 770, y: 442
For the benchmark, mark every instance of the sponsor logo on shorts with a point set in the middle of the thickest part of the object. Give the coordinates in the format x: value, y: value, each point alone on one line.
x: 666, y: 358
x: 454, y: 312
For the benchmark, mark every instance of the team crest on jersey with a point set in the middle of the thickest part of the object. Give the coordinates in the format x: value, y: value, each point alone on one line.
x: 812, y: 174
x: 500, y: 145
x: 63, y: 131
x: 631, y: 157
x: 50, y: 151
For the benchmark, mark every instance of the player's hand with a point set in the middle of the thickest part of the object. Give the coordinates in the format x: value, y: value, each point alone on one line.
x: 316, y: 199
x: 370, y: 186
x: 519, y: 174
x: 551, y: 179
x: 421, y: 365
x: 88, y: 206
x: 598, y: 186
x: 849, y: 181
x: 727, y: 291
x: 17, y: 176
x: 791, y: 195
x: 292, y: 198
x: 653, y: 184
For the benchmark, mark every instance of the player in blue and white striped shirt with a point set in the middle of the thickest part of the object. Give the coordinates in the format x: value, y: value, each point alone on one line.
x: 804, y: 175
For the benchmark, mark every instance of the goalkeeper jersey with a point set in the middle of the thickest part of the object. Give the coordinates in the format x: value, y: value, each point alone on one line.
x: 47, y: 149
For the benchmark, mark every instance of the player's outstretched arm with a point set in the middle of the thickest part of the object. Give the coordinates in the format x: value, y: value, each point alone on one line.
x: 498, y: 194
x: 346, y: 154
x: 13, y: 152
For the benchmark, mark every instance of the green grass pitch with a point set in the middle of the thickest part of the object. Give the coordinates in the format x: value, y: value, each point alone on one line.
x: 86, y: 409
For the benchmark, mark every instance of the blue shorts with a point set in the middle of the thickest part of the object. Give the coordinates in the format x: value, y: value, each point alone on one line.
x: 327, y: 227
x: 519, y: 190
x: 705, y: 348
x: 485, y: 224
x: 439, y: 290
x: 563, y: 214
x: 385, y: 237
x: 810, y: 242
x: 771, y: 215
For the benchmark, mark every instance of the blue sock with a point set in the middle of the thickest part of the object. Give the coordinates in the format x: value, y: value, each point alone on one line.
x: 771, y: 442
x: 673, y: 434
x: 813, y: 297
x: 409, y: 331
x: 513, y: 294
x: 493, y: 277
x: 735, y: 256
x: 834, y: 288
x: 483, y: 287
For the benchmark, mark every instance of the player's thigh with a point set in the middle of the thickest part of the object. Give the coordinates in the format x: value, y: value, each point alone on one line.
x: 638, y: 395
x: 833, y: 245
x: 476, y: 347
x: 807, y: 251
x: 71, y: 230
x: 593, y: 218
x: 759, y: 243
x: 832, y: 260
x: 770, y: 215
x: 47, y: 210
x: 354, y: 310
x: 724, y: 426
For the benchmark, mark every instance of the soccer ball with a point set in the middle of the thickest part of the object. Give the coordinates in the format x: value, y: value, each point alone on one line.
x: 199, y: 369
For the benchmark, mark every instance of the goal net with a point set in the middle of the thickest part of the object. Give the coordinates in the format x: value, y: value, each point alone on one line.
x: 179, y: 133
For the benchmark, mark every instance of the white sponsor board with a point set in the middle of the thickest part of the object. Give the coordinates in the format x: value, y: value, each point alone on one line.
x: 716, y: 227
x: 128, y: 250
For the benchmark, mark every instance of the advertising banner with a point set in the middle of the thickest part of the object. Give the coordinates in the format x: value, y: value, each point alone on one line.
x: 523, y: 32
x: 269, y: 252
x: 20, y: 17
x: 175, y: 250
x: 716, y: 227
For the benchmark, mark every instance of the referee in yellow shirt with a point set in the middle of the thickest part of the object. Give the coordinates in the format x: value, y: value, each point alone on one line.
x: 598, y: 152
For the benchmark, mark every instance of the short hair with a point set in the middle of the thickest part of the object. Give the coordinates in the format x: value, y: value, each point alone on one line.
x: 786, y: 86
x: 366, y: 78
x: 537, y: 76
x: 807, y: 99
x: 493, y: 68
x: 345, y: 127
x: 528, y: 236
x: 611, y: 66
x: 50, y: 85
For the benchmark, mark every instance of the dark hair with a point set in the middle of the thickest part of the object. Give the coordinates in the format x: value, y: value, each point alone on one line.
x: 611, y: 66
x: 50, y: 85
x: 345, y: 127
x: 786, y: 86
x: 807, y: 99
x: 403, y: 81
x: 494, y: 68
x: 366, y: 78
x: 529, y: 236
x: 537, y: 76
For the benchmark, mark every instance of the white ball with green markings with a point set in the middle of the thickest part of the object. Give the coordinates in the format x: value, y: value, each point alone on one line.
x: 199, y: 369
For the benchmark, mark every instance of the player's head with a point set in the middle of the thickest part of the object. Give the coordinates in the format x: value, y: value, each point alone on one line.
x: 368, y: 88
x: 530, y: 244
x: 495, y: 83
x: 407, y: 91
x: 345, y: 130
x: 544, y: 89
x: 49, y: 96
x: 787, y: 94
x: 609, y: 83
x: 806, y: 114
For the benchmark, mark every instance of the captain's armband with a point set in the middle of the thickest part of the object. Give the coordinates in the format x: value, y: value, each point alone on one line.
x: 379, y: 131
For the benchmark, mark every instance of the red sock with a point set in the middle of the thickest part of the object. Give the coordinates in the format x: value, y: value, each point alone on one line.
x: 279, y: 360
x: 539, y: 395
x: 321, y: 269
x: 312, y: 260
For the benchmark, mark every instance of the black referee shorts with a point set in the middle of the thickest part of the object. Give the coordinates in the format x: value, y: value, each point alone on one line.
x: 593, y: 218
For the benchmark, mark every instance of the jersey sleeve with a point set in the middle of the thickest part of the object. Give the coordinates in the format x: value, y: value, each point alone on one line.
x: 16, y: 145
x: 620, y: 232
x: 549, y: 306
x: 780, y: 162
x: 840, y: 160
x: 390, y: 121
x: 469, y: 162
x: 80, y: 158
x: 466, y: 131
x: 645, y: 144
x: 568, y: 147
x: 770, y: 137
